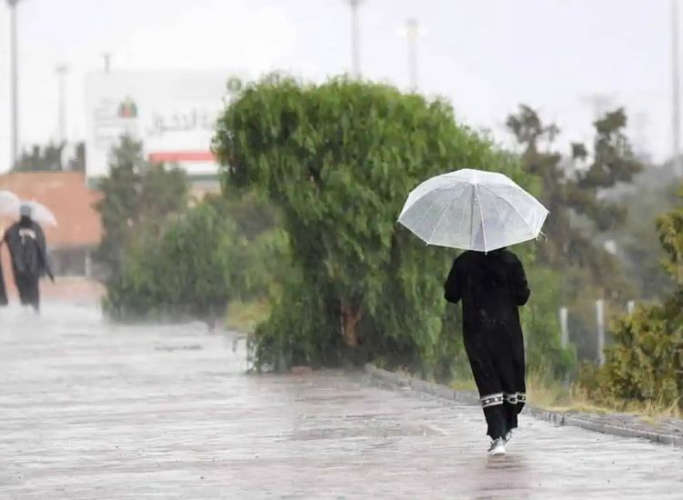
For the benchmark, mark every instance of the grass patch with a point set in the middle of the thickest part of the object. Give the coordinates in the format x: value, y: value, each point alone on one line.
x: 550, y: 394
x: 245, y: 316
x: 555, y: 396
x: 463, y: 383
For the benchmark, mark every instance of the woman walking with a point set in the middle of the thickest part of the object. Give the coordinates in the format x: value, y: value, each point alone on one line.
x: 491, y: 286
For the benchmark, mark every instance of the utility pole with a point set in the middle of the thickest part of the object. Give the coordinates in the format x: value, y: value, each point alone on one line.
x: 61, y: 71
x: 675, y: 101
x: 412, y: 32
x: 14, y: 83
x: 600, y: 320
x: 355, y: 38
x: 107, y: 61
x: 564, y: 327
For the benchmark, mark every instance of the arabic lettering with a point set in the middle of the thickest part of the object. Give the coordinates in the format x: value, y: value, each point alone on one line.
x: 180, y: 122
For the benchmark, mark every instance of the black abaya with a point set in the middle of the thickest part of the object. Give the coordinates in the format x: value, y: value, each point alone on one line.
x: 491, y: 287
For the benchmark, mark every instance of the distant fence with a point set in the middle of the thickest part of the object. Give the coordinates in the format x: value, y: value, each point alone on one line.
x: 600, y: 314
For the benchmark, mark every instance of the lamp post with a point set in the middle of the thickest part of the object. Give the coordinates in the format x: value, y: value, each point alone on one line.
x: 14, y: 83
x: 107, y: 61
x: 355, y: 38
x: 412, y: 31
x: 61, y: 71
x: 675, y: 87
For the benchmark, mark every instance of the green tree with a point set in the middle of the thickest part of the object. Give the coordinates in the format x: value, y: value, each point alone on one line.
x: 580, y: 216
x: 338, y: 160
x: 182, y: 272
x: 652, y: 193
x: 200, y: 261
x: 77, y: 162
x: 137, y: 198
x: 644, y: 363
x: 46, y: 158
x: 49, y: 158
x: 571, y: 195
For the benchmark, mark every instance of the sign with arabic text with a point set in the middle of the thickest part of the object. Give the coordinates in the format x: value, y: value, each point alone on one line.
x: 171, y: 112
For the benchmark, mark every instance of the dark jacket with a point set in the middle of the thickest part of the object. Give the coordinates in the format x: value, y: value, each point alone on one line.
x: 26, y: 243
x: 491, y: 287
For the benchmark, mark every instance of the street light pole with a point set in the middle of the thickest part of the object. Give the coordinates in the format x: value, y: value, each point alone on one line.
x: 675, y: 100
x: 412, y: 32
x: 355, y: 38
x: 107, y: 61
x: 14, y: 84
x: 61, y: 71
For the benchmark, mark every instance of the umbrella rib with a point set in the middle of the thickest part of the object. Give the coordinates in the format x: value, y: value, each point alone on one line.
x: 440, y: 188
x: 450, y: 203
x: 422, y: 218
x: 481, y: 215
x: 425, y: 213
x: 510, y: 204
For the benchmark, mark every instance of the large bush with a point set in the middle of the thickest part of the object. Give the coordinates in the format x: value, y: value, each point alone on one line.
x: 201, y: 261
x: 644, y: 363
x: 186, y: 272
x: 338, y: 160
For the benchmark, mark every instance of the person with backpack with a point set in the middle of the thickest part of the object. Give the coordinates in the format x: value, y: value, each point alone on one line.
x: 25, y: 240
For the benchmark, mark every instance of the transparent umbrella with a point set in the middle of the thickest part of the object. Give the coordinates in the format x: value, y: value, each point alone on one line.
x: 473, y: 210
x: 9, y: 203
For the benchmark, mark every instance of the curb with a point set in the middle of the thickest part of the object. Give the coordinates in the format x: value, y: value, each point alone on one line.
x: 583, y: 420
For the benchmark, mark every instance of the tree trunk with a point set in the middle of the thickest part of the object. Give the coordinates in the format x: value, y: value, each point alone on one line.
x: 349, y: 318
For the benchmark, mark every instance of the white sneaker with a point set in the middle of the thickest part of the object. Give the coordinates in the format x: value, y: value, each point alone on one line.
x: 497, y: 447
x: 507, y: 437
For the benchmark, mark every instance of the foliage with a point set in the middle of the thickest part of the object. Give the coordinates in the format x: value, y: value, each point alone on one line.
x: 77, y: 162
x: 245, y: 316
x: 575, y: 195
x: 298, y: 331
x: 581, y: 217
x: 194, y: 264
x: 670, y: 228
x: 137, y: 199
x: 644, y: 363
x: 338, y: 160
x: 651, y: 193
x: 544, y: 351
x: 264, y: 258
x: 49, y: 158
x: 184, y: 273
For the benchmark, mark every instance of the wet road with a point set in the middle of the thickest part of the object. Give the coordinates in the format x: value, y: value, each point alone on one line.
x: 88, y: 410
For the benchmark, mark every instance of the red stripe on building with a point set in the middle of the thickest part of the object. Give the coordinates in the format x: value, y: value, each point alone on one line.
x: 171, y: 156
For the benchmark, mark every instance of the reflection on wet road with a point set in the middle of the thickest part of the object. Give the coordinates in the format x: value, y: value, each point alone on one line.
x: 91, y: 410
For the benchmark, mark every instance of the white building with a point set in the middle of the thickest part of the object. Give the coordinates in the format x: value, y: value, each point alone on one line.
x: 172, y: 112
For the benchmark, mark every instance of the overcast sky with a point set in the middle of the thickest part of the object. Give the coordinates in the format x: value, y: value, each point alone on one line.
x: 563, y: 57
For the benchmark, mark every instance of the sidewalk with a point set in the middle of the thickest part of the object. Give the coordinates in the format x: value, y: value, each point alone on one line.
x: 95, y: 411
x: 666, y: 431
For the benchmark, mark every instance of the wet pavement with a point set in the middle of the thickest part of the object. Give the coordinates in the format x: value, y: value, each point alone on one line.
x: 90, y: 410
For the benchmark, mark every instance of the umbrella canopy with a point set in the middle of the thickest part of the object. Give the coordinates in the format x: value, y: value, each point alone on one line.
x: 473, y: 210
x: 9, y: 203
